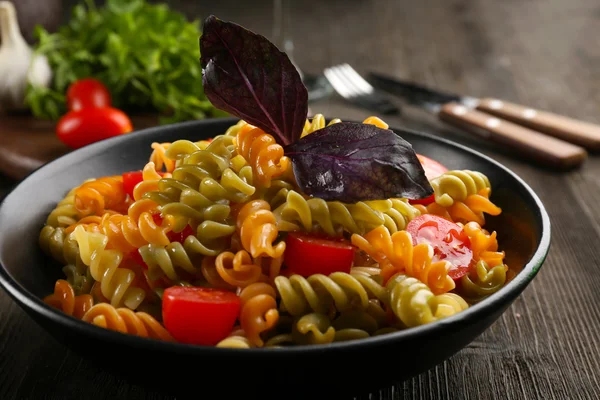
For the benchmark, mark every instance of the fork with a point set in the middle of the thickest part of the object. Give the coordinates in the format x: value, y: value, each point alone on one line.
x: 355, y: 89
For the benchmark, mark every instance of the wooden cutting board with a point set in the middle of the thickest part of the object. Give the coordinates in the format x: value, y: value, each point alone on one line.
x: 26, y: 143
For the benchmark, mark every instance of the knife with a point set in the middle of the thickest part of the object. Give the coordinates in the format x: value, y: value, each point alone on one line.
x: 552, y: 139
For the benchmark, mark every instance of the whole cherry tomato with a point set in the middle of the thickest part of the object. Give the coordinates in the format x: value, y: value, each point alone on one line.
x: 80, y: 128
x: 87, y: 93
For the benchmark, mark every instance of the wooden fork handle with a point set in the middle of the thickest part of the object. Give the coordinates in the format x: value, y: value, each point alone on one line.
x: 529, y: 143
x: 579, y: 132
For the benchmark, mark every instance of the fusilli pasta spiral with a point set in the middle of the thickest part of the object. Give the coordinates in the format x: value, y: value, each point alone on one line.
x: 313, y: 328
x: 106, y: 193
x: 415, y: 304
x: 236, y: 340
x: 64, y: 299
x: 258, y: 230
x: 258, y: 311
x: 65, y: 213
x: 482, y: 281
x: 126, y: 321
x: 104, y: 265
x: 456, y: 185
x: 396, y: 253
x: 317, y: 122
x: 332, y: 217
x: 471, y: 209
x: 319, y: 293
x: 159, y: 157
x: 262, y: 153
x: 238, y: 269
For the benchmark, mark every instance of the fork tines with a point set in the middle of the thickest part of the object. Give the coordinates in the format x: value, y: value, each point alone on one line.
x: 351, y: 86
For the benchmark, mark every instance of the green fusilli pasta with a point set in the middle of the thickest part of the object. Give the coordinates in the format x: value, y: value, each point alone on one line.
x: 333, y: 217
x: 483, y: 281
x: 320, y: 293
x: 415, y: 304
x: 456, y: 185
x: 313, y: 328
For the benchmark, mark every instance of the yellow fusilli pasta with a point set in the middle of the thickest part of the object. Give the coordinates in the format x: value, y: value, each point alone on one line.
x: 104, y: 265
x: 415, y: 304
x: 456, y: 185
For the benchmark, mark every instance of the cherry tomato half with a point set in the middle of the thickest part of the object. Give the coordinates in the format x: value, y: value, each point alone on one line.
x: 198, y: 315
x: 433, y: 169
x: 449, y: 241
x: 307, y: 254
x: 80, y: 128
x: 87, y: 93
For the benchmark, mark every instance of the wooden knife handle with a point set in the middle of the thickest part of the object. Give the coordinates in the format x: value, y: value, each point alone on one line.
x: 535, y: 145
x: 579, y: 132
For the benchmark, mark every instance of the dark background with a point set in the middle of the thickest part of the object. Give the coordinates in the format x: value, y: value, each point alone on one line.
x: 541, y: 53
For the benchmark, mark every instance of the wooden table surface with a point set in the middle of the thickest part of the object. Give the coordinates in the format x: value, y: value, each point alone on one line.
x: 543, y: 53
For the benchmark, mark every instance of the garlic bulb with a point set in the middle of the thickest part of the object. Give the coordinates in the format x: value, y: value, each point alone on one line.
x: 18, y: 64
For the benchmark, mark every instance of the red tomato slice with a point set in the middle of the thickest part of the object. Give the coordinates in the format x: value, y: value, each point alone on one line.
x: 449, y: 241
x: 198, y: 315
x: 80, y: 128
x: 433, y: 169
x: 87, y: 93
x: 307, y: 254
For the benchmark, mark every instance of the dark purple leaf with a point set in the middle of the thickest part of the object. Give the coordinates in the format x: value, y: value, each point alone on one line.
x: 353, y: 162
x: 247, y: 76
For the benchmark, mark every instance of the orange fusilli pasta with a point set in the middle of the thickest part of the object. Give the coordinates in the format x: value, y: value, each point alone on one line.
x: 471, y: 209
x: 258, y: 311
x: 65, y: 300
x: 396, y: 254
x: 262, y: 153
x: 106, y: 193
x: 127, y: 321
x: 258, y: 230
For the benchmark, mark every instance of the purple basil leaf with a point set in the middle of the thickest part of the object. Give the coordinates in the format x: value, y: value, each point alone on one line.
x: 353, y: 162
x: 247, y: 76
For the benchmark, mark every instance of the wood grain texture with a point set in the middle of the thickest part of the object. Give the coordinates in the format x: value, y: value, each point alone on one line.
x: 543, y: 53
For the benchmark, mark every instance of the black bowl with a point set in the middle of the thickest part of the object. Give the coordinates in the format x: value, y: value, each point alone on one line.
x: 341, y: 368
